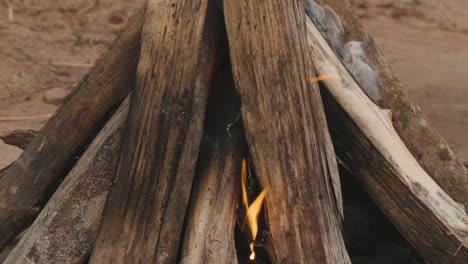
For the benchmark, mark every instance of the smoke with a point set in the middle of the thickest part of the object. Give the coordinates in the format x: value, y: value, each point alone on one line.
x: 351, y: 54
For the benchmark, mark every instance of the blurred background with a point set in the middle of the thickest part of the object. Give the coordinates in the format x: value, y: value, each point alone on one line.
x: 46, y: 46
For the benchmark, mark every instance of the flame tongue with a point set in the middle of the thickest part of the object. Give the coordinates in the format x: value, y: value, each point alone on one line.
x: 323, y: 77
x: 253, y: 210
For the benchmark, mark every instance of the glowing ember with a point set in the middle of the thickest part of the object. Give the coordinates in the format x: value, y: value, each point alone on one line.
x: 322, y: 77
x: 253, y: 210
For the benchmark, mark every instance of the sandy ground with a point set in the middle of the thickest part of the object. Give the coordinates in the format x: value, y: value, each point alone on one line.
x: 49, y: 44
x: 425, y: 42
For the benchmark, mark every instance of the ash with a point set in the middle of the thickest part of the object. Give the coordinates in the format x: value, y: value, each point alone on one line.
x: 351, y: 54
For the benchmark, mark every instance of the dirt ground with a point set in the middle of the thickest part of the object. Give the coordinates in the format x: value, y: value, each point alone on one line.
x: 47, y: 45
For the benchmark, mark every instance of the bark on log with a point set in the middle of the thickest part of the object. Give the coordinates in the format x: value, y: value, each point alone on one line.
x: 209, y: 235
x: 49, y: 156
x: 144, y: 216
x: 286, y: 130
x: 66, y: 229
x: 366, y: 140
x: 425, y: 143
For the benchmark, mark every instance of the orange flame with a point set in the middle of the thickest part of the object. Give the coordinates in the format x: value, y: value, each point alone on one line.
x: 253, y: 210
x: 322, y: 77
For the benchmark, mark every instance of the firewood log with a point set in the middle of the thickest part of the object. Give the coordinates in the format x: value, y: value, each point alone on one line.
x: 32, y: 179
x: 209, y: 232
x: 66, y: 229
x: 19, y: 138
x: 366, y: 140
x: 144, y: 215
x: 411, y: 124
x: 4, y: 171
x: 286, y: 130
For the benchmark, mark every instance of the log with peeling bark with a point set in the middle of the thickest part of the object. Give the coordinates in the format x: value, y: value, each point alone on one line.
x: 286, y: 130
x: 32, y: 179
x: 425, y: 143
x: 145, y: 212
x: 66, y: 229
x: 209, y: 232
x: 366, y: 140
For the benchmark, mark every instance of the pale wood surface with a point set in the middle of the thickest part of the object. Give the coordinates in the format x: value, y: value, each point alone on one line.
x: 368, y: 143
x: 209, y: 232
x: 426, y: 144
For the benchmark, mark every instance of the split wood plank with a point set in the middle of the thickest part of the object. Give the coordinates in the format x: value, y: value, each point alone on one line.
x: 66, y: 229
x: 286, y: 130
x: 209, y: 232
x: 366, y: 140
x: 144, y: 215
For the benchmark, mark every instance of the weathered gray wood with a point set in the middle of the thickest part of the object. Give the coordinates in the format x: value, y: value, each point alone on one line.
x: 365, y: 139
x: 66, y: 229
x: 31, y: 180
x: 144, y: 215
x: 209, y: 232
x: 424, y: 142
x: 286, y: 130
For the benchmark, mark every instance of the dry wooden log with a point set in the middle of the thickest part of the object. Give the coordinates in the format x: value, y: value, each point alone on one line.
x: 31, y: 180
x: 209, y: 233
x: 66, y: 229
x: 10, y: 246
x: 19, y: 138
x: 144, y: 215
x: 286, y: 130
x: 425, y: 143
x: 365, y: 138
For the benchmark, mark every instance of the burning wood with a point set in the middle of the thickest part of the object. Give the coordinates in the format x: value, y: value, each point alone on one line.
x: 277, y: 58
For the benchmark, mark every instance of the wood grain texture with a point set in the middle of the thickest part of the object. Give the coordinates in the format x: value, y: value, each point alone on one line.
x: 66, y: 229
x: 144, y: 215
x: 286, y: 130
x: 365, y: 139
x: 48, y: 158
x: 424, y: 142
x: 19, y: 138
x: 209, y: 232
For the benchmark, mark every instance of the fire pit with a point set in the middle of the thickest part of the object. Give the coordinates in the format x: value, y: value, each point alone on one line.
x: 248, y: 132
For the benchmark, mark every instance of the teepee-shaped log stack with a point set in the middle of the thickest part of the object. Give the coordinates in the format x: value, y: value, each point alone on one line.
x: 142, y: 163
